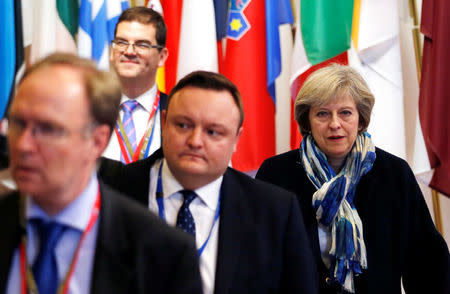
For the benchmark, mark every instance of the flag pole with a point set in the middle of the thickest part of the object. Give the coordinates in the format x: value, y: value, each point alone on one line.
x: 416, y: 37
x: 437, y: 211
x: 418, y: 54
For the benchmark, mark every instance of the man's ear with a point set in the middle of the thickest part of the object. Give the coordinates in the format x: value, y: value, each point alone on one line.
x: 101, y: 136
x: 163, y: 55
x: 238, y: 136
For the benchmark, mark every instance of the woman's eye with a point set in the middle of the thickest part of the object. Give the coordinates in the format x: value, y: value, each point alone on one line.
x: 346, y: 112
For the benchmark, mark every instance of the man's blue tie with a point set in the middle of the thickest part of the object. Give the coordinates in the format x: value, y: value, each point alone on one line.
x: 44, y: 268
x: 128, y: 124
x: 185, y: 221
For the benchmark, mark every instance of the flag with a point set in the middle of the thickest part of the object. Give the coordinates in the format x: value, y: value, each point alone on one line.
x: 97, y: 21
x: 248, y: 48
x: 172, y: 17
x: 283, y: 93
x: 323, y: 36
x: 277, y: 13
x: 155, y: 5
x: 221, y: 16
x: 376, y: 39
x: 434, y: 102
x: 19, y: 49
x: 52, y: 27
x: 197, y: 47
x: 8, y: 53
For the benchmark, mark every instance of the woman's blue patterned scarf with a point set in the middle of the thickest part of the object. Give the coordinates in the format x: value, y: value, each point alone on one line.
x: 333, y: 203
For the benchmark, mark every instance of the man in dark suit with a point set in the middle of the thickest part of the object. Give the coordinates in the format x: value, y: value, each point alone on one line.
x: 138, y: 49
x: 63, y: 227
x: 250, y: 235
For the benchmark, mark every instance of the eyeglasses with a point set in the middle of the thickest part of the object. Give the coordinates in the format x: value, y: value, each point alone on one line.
x: 138, y: 47
x: 43, y: 133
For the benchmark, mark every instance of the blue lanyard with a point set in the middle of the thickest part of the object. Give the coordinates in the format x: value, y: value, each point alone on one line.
x: 162, y: 213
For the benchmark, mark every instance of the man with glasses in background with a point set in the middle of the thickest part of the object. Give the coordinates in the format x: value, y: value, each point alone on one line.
x: 138, y: 49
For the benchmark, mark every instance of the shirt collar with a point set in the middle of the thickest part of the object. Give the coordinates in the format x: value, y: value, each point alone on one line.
x: 145, y: 100
x: 76, y: 214
x: 209, y: 193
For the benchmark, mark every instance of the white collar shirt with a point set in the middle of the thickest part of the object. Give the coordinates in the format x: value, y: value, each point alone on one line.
x: 203, y: 210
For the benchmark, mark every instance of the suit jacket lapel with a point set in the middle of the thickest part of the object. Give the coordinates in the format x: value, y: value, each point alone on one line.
x: 230, y: 234
x: 111, y: 272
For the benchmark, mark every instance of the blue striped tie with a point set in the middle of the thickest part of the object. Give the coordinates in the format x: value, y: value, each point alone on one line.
x: 44, y: 268
x: 128, y: 124
x: 185, y: 221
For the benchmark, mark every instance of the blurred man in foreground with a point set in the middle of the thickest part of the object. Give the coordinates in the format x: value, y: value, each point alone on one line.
x: 63, y: 229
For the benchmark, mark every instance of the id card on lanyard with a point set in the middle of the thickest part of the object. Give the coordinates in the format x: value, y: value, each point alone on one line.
x: 28, y: 282
x: 162, y: 212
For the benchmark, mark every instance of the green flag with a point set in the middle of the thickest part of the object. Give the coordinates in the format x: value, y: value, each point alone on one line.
x: 326, y: 28
x: 68, y: 12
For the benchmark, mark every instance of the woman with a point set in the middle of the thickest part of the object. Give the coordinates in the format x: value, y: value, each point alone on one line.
x: 368, y: 223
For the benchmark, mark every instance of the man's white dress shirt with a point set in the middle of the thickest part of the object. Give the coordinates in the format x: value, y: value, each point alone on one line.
x: 203, y: 210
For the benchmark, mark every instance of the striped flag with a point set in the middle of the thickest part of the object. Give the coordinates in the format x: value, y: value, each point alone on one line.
x: 52, y: 27
x: 98, y: 19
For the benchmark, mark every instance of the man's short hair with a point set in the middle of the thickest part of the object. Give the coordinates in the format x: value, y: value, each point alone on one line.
x: 102, y: 87
x: 146, y: 16
x: 210, y: 81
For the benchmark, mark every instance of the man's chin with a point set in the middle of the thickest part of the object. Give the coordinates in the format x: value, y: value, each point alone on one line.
x: 128, y: 70
x: 28, y: 187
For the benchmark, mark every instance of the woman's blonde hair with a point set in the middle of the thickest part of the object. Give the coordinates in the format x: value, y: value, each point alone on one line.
x: 328, y: 83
